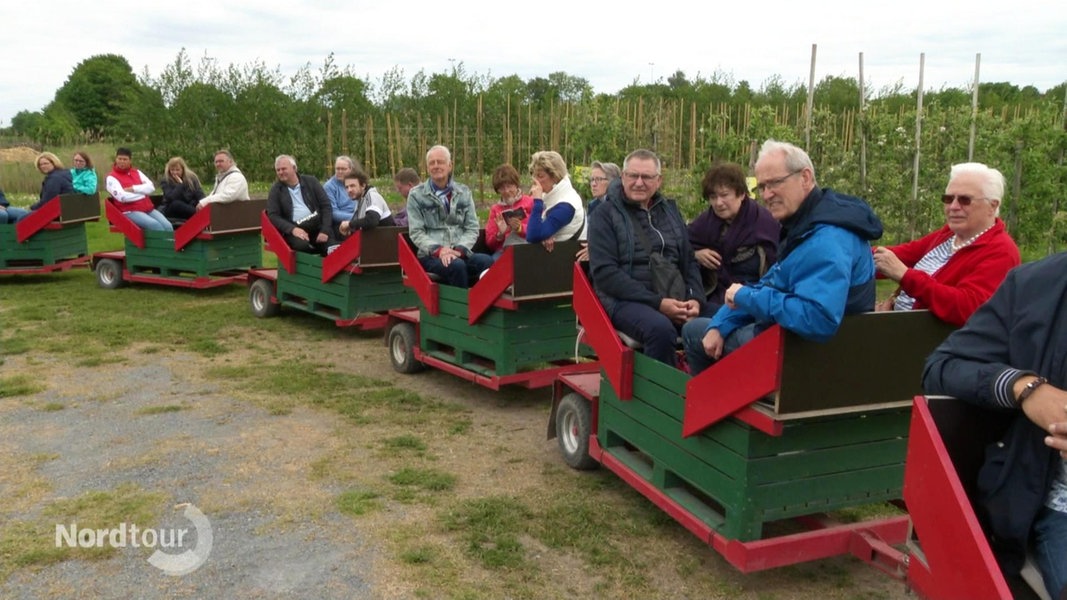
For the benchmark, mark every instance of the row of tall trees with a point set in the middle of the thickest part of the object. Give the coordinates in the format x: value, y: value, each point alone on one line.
x: 865, y: 148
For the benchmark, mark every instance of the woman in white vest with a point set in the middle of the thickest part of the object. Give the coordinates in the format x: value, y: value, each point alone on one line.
x: 557, y: 210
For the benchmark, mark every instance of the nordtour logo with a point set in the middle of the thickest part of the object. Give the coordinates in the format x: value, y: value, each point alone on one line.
x: 125, y: 535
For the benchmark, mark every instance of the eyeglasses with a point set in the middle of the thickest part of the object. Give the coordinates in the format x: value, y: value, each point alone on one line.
x: 597, y: 179
x: 963, y: 199
x: 647, y: 177
x: 772, y: 184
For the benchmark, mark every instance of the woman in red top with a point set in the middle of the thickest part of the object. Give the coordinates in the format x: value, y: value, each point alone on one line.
x: 501, y: 230
x: 955, y: 269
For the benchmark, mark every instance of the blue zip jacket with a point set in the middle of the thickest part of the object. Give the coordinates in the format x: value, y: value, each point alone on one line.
x: 825, y: 271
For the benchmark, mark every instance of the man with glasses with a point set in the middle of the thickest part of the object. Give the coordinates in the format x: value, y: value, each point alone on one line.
x: 622, y: 259
x: 824, y: 269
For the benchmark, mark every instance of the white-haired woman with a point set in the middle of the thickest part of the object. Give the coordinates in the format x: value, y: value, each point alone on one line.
x: 955, y: 269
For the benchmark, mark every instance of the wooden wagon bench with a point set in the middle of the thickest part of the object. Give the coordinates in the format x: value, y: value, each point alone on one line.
x: 781, y: 428
x: 353, y: 286
x: 51, y: 238
x: 215, y: 247
x: 515, y: 325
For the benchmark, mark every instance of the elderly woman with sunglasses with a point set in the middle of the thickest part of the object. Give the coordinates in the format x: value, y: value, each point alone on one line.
x: 955, y: 269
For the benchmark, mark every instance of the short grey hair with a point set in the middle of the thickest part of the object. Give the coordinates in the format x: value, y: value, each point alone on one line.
x: 993, y: 182
x: 610, y: 169
x: 796, y: 158
x: 448, y: 153
x: 282, y: 157
x: 642, y: 154
x: 353, y: 164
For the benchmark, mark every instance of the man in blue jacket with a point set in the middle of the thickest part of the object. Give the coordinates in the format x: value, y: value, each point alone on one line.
x: 824, y: 269
x: 620, y: 259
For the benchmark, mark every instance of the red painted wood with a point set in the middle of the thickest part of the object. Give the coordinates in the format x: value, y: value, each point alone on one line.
x: 586, y: 383
x: 956, y: 560
x: 484, y: 293
x: 416, y: 277
x: 37, y: 220
x: 122, y: 224
x: 192, y: 228
x: 731, y: 384
x: 276, y: 243
x: 344, y: 255
x: 616, y: 359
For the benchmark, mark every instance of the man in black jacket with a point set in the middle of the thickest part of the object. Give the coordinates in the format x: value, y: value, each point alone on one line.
x: 299, y: 208
x: 1010, y: 356
x: 621, y: 261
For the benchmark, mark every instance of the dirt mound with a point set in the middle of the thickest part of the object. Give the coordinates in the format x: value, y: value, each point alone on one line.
x: 18, y: 154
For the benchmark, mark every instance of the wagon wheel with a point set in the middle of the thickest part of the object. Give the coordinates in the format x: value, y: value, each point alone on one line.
x: 402, y: 343
x: 259, y: 298
x: 109, y: 274
x: 574, y: 425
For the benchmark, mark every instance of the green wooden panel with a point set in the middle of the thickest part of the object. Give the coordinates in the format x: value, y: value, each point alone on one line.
x: 736, y: 478
x: 200, y: 257
x: 347, y: 295
x: 46, y: 247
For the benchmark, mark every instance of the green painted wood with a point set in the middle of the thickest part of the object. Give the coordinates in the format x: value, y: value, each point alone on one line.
x: 46, y: 247
x: 503, y: 341
x: 735, y: 477
x: 346, y: 296
x: 201, y: 257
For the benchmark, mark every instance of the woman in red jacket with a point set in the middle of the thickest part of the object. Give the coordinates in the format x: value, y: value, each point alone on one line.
x: 955, y: 269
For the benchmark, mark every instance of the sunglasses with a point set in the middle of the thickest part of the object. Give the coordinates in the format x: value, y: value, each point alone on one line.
x: 963, y: 199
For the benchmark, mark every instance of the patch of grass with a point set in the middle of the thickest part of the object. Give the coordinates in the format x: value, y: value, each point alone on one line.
x: 405, y: 443
x: 426, y: 479
x: 52, y: 406
x: 491, y: 528
x: 358, y: 502
x: 18, y: 385
x: 158, y: 410
x: 32, y: 543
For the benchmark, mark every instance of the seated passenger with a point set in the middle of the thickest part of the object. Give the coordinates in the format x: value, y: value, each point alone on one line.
x: 57, y: 180
x: 557, y: 214
x: 953, y: 270
x: 1009, y: 356
x: 600, y: 175
x: 8, y: 213
x: 371, y: 209
x: 299, y: 208
x: 83, y: 175
x: 181, y: 191
x: 131, y: 188
x: 403, y: 181
x: 230, y: 182
x: 824, y: 269
x: 443, y: 224
x: 501, y: 231
x: 340, y: 203
x: 641, y: 261
x: 735, y: 239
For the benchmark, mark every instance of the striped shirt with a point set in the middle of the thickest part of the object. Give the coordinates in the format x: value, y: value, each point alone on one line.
x: 929, y: 264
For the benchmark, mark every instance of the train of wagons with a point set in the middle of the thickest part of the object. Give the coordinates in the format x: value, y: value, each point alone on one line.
x: 761, y: 456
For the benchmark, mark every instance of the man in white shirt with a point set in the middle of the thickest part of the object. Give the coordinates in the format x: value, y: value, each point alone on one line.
x: 230, y: 182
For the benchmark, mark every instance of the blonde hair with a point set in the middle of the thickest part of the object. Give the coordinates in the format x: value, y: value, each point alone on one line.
x: 551, y: 163
x: 52, y: 158
x: 188, y: 176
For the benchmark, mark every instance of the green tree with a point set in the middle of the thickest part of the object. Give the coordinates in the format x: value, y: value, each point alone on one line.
x: 97, y: 90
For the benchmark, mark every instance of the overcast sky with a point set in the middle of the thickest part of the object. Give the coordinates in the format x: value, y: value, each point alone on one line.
x: 1023, y: 42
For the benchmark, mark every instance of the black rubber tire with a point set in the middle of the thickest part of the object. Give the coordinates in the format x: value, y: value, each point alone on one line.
x: 401, y: 343
x: 109, y: 274
x: 574, y: 425
x: 259, y: 298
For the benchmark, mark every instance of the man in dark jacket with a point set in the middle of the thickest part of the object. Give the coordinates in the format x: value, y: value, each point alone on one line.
x: 619, y: 258
x: 299, y: 208
x: 1010, y: 356
x: 824, y: 269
